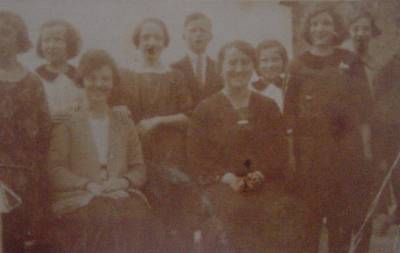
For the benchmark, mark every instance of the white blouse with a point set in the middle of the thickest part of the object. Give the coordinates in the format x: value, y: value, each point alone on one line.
x: 99, y: 129
x: 62, y: 94
x: 275, y: 93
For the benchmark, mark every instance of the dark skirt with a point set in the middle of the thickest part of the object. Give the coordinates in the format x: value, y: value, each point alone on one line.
x: 108, y: 225
x: 267, y: 220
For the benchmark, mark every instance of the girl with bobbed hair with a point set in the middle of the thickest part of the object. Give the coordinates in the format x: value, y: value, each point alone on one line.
x: 97, y: 173
x: 272, y: 64
x: 59, y: 41
x: 24, y: 133
x: 159, y: 101
x: 326, y: 105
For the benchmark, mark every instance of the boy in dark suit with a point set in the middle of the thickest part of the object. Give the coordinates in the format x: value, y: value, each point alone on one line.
x: 199, y: 70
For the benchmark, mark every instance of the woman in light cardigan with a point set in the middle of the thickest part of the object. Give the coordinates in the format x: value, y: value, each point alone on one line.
x: 96, y: 170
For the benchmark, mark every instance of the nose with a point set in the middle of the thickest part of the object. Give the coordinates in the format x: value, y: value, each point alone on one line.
x: 270, y: 64
x: 319, y: 27
x: 239, y: 68
x: 151, y: 41
x: 51, y: 43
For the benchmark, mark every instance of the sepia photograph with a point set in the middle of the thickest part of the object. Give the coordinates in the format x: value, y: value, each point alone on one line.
x: 200, y: 126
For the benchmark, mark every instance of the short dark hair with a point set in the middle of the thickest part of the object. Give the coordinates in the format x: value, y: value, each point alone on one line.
x: 240, y: 45
x: 365, y: 14
x: 94, y: 59
x: 157, y: 21
x: 196, y: 16
x: 266, y: 44
x: 72, y: 37
x: 340, y: 30
x: 13, y: 19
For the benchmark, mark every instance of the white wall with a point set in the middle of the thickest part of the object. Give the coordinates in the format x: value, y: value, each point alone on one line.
x: 109, y: 24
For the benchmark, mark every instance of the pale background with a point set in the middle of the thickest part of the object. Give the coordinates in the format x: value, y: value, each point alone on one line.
x: 109, y: 24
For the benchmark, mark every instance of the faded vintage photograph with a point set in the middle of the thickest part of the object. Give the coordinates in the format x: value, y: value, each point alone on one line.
x: 199, y: 126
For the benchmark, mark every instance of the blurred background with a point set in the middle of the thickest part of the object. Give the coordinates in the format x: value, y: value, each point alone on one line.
x: 110, y: 24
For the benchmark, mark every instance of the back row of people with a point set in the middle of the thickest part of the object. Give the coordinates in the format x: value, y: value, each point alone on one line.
x: 156, y: 158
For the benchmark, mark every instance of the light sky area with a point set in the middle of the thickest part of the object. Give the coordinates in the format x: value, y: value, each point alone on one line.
x: 109, y: 24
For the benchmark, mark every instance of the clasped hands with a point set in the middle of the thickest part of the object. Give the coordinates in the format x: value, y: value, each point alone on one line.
x: 252, y: 181
x: 107, y: 187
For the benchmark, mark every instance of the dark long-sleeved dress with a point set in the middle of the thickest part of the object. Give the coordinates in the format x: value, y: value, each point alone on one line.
x: 24, y: 134
x: 222, y: 139
x: 152, y: 94
x: 326, y: 102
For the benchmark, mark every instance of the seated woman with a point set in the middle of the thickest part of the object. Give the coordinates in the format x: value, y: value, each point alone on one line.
x: 272, y: 61
x: 238, y: 151
x: 59, y: 42
x: 96, y: 171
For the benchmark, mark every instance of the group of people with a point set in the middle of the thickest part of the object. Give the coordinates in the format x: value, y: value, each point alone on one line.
x: 197, y: 156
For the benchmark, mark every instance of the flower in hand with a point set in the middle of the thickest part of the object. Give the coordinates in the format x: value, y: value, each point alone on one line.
x: 254, y: 180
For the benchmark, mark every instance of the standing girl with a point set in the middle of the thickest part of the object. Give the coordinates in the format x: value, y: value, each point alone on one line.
x: 59, y: 42
x: 24, y: 131
x: 272, y: 61
x: 326, y: 104
x: 158, y: 99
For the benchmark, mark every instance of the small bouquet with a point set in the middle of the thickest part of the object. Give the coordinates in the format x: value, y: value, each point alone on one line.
x: 8, y: 199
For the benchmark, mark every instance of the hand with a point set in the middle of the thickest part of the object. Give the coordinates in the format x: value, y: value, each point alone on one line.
x: 368, y: 153
x: 147, y: 125
x: 94, y: 188
x: 254, y: 179
x: 122, y: 112
x: 238, y: 184
x: 115, y: 184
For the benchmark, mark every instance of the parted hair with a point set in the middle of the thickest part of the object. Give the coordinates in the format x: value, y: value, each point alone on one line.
x: 16, y: 21
x: 196, y: 16
x: 95, y: 59
x: 340, y: 30
x: 138, y: 30
x: 240, y: 45
x: 72, y: 37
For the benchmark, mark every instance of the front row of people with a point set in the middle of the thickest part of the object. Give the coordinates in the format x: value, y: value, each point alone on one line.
x: 194, y: 158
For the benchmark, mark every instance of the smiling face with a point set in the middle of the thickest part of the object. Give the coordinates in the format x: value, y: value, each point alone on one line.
x: 361, y: 33
x: 322, y: 29
x: 98, y: 85
x: 53, y: 44
x: 151, y: 41
x: 237, y: 69
x: 8, y: 39
x: 270, y: 63
x: 197, y: 35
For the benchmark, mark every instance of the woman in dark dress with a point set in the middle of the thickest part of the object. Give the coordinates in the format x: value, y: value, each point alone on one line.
x: 238, y: 152
x: 24, y: 133
x: 326, y: 104
x: 158, y: 100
